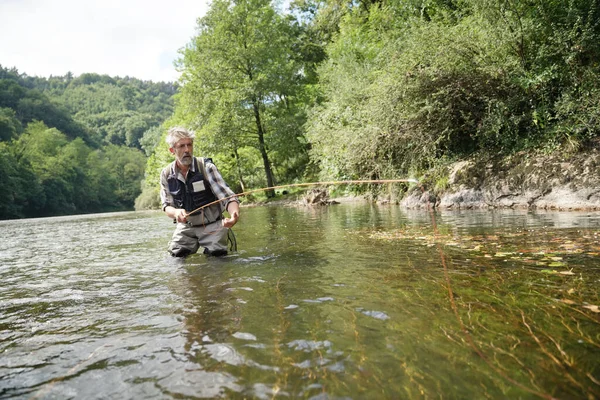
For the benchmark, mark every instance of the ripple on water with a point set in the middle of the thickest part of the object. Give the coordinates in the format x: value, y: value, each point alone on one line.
x: 197, y: 383
x: 244, y: 336
x: 375, y: 314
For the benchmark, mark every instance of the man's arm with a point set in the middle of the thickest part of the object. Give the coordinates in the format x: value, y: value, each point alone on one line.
x: 166, y: 199
x: 233, y: 208
x: 224, y: 193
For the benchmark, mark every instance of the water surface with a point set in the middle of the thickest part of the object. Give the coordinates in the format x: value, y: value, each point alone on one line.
x: 343, y: 302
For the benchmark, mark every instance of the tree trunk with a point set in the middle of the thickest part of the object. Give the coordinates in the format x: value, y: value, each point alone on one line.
x: 239, y: 168
x: 263, y: 150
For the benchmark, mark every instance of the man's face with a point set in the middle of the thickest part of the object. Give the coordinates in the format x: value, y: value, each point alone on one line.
x: 183, y: 151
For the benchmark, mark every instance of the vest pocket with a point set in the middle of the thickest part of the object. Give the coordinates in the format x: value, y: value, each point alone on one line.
x: 174, y: 187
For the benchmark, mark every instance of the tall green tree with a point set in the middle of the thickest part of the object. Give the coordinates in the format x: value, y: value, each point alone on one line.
x: 241, y: 78
x: 22, y: 193
x: 10, y: 126
x: 41, y: 147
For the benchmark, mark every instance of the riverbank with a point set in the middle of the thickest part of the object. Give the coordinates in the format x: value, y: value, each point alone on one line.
x: 524, y: 180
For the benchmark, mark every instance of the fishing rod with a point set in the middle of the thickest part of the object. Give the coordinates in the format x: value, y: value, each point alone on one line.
x: 360, y: 181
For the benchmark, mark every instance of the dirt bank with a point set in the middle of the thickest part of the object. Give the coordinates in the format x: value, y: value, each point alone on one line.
x: 522, y: 181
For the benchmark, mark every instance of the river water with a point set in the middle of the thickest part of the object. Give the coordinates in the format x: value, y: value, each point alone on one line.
x: 350, y: 301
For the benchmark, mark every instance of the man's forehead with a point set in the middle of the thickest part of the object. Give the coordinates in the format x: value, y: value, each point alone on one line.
x: 184, y: 141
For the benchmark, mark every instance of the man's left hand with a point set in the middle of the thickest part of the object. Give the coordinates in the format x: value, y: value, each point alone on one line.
x: 231, y: 221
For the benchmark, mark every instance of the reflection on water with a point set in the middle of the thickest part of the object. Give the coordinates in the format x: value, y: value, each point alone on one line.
x: 349, y: 302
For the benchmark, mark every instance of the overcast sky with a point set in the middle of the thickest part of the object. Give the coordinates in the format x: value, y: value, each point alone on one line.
x: 136, y: 38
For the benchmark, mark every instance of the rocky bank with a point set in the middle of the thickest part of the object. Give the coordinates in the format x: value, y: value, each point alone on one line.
x: 559, y: 182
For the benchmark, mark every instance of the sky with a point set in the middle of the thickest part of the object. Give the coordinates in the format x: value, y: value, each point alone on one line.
x: 135, y: 38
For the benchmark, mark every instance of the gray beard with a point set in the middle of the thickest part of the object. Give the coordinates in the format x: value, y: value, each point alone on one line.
x: 186, y: 160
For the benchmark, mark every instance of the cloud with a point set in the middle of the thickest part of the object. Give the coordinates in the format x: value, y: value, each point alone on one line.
x: 137, y: 38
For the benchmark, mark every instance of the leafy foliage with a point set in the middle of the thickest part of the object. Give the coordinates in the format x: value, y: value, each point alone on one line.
x: 30, y: 104
x: 243, y: 87
x: 408, y: 86
x: 120, y: 111
x: 46, y: 174
x: 21, y: 191
x: 72, y: 145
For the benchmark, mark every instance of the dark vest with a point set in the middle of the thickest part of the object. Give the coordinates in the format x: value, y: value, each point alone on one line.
x: 184, y: 195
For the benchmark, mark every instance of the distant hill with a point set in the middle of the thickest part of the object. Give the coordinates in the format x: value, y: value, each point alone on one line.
x: 76, y: 144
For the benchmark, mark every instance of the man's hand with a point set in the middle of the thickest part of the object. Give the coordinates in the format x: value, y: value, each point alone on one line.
x: 180, y: 215
x: 231, y: 221
x: 233, y: 208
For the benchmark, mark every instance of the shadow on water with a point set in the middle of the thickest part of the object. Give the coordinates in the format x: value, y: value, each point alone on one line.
x: 350, y: 301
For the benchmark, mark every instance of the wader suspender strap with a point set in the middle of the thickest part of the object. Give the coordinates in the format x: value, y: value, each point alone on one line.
x: 201, y: 165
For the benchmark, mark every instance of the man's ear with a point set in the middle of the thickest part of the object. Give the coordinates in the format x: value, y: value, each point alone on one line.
x: 171, y: 150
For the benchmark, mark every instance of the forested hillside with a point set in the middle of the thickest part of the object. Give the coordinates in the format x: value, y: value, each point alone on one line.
x: 76, y: 144
x: 387, y: 89
x: 329, y: 90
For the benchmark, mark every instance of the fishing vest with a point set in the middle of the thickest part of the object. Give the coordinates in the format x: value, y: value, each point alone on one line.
x: 195, y: 192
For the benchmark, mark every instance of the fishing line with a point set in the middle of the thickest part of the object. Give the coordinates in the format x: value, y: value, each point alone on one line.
x: 361, y: 181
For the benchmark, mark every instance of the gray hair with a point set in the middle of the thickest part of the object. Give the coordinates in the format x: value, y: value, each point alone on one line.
x: 177, y: 133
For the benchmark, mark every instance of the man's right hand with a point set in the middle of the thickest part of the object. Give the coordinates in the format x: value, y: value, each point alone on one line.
x: 180, y: 215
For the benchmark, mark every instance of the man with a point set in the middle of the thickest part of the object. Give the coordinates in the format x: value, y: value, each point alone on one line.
x: 188, y: 184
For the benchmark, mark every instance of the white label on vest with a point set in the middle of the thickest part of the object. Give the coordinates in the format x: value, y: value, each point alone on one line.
x: 198, y: 186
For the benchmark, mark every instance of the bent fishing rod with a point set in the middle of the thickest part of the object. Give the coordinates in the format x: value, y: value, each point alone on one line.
x: 360, y: 181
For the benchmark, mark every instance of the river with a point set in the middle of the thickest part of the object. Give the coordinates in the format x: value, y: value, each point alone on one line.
x: 350, y: 301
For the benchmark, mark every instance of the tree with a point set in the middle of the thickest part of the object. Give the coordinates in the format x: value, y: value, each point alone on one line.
x: 40, y: 148
x: 10, y: 126
x: 240, y: 75
x: 22, y: 193
x: 150, y: 139
x: 125, y: 166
